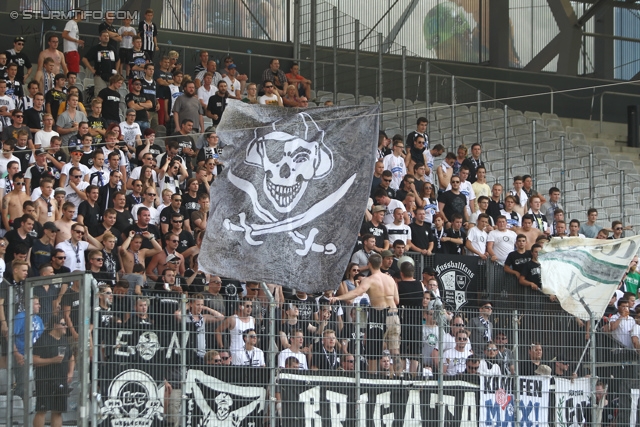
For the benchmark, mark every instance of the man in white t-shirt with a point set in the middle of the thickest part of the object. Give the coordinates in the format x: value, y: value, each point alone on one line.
x: 207, y: 90
x: 394, y: 162
x: 390, y: 205
x: 72, y: 42
x: 269, y: 97
x: 75, y: 248
x: 233, y: 84
x: 500, y: 242
x: 295, y: 350
x: 8, y: 104
x: 455, y: 358
x: 43, y: 137
x: 131, y: 130
x: 621, y: 324
x: 476, y: 243
x: 7, y: 156
x: 75, y: 188
x: 398, y: 230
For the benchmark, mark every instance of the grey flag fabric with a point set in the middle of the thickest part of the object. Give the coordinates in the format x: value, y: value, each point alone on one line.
x: 292, y: 194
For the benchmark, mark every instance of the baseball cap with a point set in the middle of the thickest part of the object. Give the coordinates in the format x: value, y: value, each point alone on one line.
x: 75, y: 149
x: 60, y: 190
x: 386, y: 253
x: 18, y: 39
x: 429, y: 270
x: 378, y: 208
x: 50, y: 226
x: 172, y: 259
x: 40, y: 151
x: 231, y: 66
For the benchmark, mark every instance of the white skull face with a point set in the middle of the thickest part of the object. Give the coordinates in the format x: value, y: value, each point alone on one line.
x: 224, y: 404
x: 289, y: 164
x: 148, y: 345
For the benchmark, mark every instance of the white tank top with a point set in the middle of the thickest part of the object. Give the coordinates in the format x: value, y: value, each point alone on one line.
x: 236, y: 342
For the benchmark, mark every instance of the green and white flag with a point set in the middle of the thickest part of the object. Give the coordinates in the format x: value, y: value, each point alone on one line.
x: 584, y: 273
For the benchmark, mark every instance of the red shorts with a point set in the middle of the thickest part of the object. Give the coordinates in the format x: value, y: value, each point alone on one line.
x: 73, y: 61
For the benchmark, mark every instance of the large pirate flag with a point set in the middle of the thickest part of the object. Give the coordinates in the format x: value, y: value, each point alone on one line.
x: 290, y: 200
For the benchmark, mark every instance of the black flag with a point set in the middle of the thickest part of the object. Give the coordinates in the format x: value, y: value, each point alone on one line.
x: 291, y: 198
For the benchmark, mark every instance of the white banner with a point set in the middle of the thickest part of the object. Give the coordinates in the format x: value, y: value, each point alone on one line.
x: 572, y: 402
x: 584, y: 273
x: 497, y: 401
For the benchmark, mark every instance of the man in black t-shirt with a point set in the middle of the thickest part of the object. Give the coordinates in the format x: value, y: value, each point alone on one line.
x: 325, y: 357
x: 187, y: 145
x: 142, y: 225
x: 453, y: 201
x: 410, y: 294
x: 55, y: 96
x: 89, y: 212
x: 516, y: 260
x: 54, y: 362
x: 97, y: 124
x: 495, y: 204
x: 33, y: 115
x: 105, y: 62
x: 139, y: 102
x: 111, y: 100
x: 455, y: 237
x: 376, y: 228
x: 174, y: 207
x: 421, y: 234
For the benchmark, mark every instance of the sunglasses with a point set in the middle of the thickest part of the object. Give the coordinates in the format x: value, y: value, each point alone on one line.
x: 174, y: 241
x: 217, y: 361
x: 79, y: 232
x: 61, y: 257
x: 19, y: 116
x: 268, y: 87
x: 98, y: 259
x: 63, y: 324
x: 18, y: 183
x: 151, y: 194
x: 462, y: 339
x: 460, y: 325
x: 218, y: 282
x: 226, y: 358
x: 77, y: 176
x: 178, y: 222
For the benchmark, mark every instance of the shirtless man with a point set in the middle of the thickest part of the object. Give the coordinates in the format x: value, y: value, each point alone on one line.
x: 383, y: 293
x: 162, y: 260
x: 445, y: 172
x: 65, y: 222
x: 130, y: 251
x: 528, y: 230
x: 52, y: 52
x: 46, y: 211
x: 12, y: 201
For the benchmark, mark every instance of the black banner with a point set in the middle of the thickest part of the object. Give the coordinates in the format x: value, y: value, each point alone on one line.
x: 459, y: 278
x: 316, y: 401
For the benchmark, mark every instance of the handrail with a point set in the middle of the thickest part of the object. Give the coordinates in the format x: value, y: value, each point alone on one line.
x: 551, y: 91
x: 611, y: 93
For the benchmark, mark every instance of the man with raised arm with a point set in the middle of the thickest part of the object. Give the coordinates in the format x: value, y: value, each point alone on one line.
x: 384, y: 323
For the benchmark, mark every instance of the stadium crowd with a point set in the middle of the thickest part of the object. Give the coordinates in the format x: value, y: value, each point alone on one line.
x: 87, y: 186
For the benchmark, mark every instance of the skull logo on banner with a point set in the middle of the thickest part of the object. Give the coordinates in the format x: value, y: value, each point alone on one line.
x: 291, y: 155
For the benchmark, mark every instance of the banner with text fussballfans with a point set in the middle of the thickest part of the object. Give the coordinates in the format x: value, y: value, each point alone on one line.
x: 290, y: 200
x: 584, y: 273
